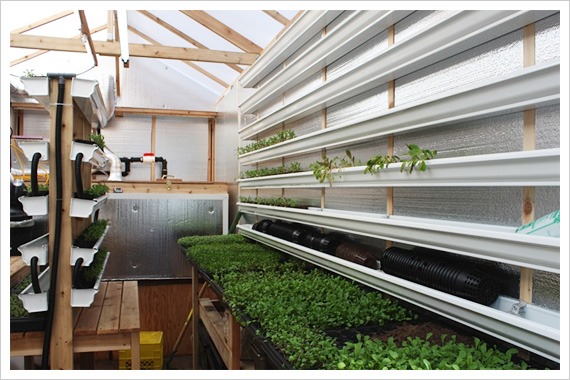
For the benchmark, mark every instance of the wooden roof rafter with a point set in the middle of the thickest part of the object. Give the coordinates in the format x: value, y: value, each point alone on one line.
x: 223, y: 31
x: 191, y: 64
x: 41, y: 22
x: 182, y: 35
x: 40, y: 52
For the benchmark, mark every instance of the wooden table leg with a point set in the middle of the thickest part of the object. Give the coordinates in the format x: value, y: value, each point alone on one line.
x: 135, y: 351
x: 234, y: 343
x: 195, y: 318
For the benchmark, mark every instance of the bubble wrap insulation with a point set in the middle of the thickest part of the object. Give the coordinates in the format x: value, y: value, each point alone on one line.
x: 308, y: 124
x: 36, y: 123
x: 417, y: 21
x: 548, y: 127
x: 371, y: 200
x: 548, y: 39
x: 358, y: 56
x: 367, y: 105
x: 490, y: 60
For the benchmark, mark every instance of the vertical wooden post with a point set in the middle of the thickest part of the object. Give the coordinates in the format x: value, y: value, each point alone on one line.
x: 390, y: 139
x: 211, y: 150
x: 195, y: 318
x: 153, y: 147
x: 61, y: 344
x: 234, y: 342
x: 525, y: 291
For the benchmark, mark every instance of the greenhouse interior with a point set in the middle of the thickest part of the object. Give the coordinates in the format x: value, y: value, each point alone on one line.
x: 243, y: 192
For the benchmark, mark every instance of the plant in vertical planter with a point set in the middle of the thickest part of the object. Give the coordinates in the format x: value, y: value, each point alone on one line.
x: 91, y: 234
x: 323, y: 170
x: 416, y: 158
x: 274, y: 201
x: 95, y: 191
x: 263, y: 143
x: 85, y: 277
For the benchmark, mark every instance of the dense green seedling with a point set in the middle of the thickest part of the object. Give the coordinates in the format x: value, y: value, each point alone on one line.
x: 189, y: 241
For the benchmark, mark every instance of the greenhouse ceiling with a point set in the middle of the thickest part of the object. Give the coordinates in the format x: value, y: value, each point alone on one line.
x: 209, y: 47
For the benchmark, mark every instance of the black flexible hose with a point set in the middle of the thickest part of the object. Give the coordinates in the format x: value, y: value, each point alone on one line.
x: 77, y: 271
x: 34, y: 173
x: 34, y: 275
x: 58, y: 215
x: 78, y: 179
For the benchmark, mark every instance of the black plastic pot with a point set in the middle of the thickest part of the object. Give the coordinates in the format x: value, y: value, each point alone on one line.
x: 357, y: 254
x: 461, y: 280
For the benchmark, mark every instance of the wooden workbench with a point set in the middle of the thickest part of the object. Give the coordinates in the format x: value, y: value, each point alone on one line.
x: 111, y: 323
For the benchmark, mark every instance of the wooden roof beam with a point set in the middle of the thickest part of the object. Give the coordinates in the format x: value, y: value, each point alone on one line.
x: 120, y: 111
x: 182, y: 35
x: 278, y: 17
x: 107, y: 48
x: 40, y: 52
x: 39, y: 23
x: 192, y: 65
x: 223, y: 31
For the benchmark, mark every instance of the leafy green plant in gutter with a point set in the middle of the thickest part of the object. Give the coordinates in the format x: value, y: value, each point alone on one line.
x: 97, y: 190
x: 416, y: 158
x: 275, y: 201
x: 88, y: 275
x: 323, y: 169
x: 93, y: 232
x: 98, y: 139
x: 17, y: 309
x: 263, y: 143
x: 422, y: 354
x: 294, y: 167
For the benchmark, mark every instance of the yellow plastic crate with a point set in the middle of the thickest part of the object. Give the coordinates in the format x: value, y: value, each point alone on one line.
x: 151, y: 351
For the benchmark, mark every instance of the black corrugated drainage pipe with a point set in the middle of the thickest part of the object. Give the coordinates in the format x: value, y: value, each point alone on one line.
x: 461, y: 280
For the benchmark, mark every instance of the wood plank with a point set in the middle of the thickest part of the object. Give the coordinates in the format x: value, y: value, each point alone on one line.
x: 97, y: 343
x: 113, y: 49
x: 120, y: 111
x: 61, y: 345
x: 216, y: 327
x: 130, y: 315
x: 85, y: 31
x: 18, y: 270
x: 196, y: 318
x: 41, y: 22
x: 234, y: 343
x: 161, y: 187
x: 223, y: 31
x: 111, y: 309
x: 182, y: 35
x: 90, y: 316
x: 277, y: 17
x: 192, y: 65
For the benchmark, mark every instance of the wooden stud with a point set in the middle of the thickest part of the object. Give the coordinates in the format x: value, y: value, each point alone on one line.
x: 529, y: 143
x: 153, y: 147
x: 390, y: 139
x: 211, y: 150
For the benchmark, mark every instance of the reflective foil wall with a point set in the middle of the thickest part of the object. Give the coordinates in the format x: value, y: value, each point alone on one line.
x: 145, y: 229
